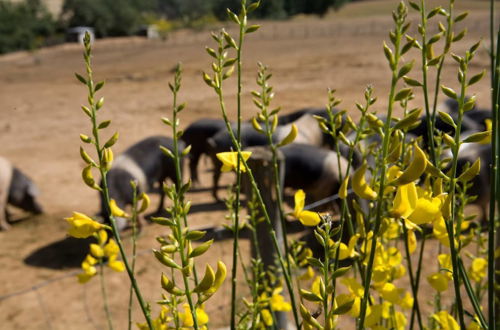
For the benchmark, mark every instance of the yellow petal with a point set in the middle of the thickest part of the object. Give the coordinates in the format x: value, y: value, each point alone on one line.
x: 309, y: 218
x: 405, y: 201
x: 115, y: 210
x: 438, y: 281
x: 426, y: 210
x: 96, y: 251
x: 81, y: 226
x: 117, y: 266
x: 300, y: 198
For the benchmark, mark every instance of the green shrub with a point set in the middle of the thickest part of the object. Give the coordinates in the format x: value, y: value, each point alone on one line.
x: 24, y: 25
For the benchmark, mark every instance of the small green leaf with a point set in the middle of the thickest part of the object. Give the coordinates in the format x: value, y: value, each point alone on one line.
x: 476, y: 78
x: 344, y: 308
x: 412, y: 82
x: 449, y: 92
x: 252, y: 28
x: 447, y: 118
x: 81, y: 79
x: 104, y: 124
x: 414, y: 5
x: 340, y: 272
x: 402, y: 94
x: 461, y: 17
x: 310, y: 296
x: 195, y: 235
x: 477, y: 137
x: 112, y: 140
x: 199, y: 250
x: 98, y: 86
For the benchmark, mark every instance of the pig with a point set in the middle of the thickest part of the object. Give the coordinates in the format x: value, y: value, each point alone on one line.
x: 293, y: 116
x: 197, y: 135
x: 145, y: 163
x: 312, y: 169
x: 18, y: 190
x: 308, y: 133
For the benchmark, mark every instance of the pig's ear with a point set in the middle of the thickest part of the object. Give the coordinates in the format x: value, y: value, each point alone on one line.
x: 33, y: 190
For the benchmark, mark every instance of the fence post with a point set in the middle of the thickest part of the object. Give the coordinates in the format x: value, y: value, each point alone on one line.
x: 262, y: 168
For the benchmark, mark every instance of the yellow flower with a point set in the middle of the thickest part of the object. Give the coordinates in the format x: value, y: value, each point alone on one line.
x: 347, y: 251
x: 405, y: 201
x: 308, y: 274
x: 477, y: 269
x: 116, y: 265
x: 412, y: 241
x: 391, y: 293
x: 278, y: 302
x: 81, y: 226
x: 111, y: 249
x: 88, y: 268
x: 267, y: 317
x: 440, y: 232
x: 307, y: 218
x: 426, y: 210
x: 96, y: 251
x: 230, y: 160
x: 446, y: 321
x: 438, y: 281
x: 407, y: 301
x: 486, y: 140
x: 354, y: 287
x: 344, y: 298
x: 187, y: 317
x: 400, y: 321
x: 115, y: 210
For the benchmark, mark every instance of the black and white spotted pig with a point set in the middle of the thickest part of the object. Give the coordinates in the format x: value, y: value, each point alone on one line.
x: 145, y: 163
x: 312, y: 169
x: 16, y: 189
x: 197, y: 135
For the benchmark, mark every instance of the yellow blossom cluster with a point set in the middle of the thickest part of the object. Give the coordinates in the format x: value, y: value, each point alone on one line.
x: 104, y: 249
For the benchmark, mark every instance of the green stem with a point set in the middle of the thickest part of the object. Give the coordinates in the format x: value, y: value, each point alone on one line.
x: 105, y: 296
x: 105, y: 190
x: 472, y: 296
x: 134, y: 254
x: 430, y: 123
x: 380, y: 199
x: 236, y: 227
x: 412, y: 280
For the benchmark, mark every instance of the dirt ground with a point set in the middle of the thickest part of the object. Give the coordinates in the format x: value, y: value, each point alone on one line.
x: 40, y: 121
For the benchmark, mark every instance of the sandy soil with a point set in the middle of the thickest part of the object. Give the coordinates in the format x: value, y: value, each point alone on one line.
x: 40, y: 122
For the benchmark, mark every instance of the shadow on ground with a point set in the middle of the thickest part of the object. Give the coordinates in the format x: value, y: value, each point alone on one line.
x: 66, y: 253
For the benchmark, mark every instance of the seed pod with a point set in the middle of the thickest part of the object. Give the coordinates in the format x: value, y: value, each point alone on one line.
x: 360, y: 186
x: 256, y: 125
x: 415, y: 169
x: 207, y: 281
x: 86, y: 158
x: 343, y: 188
x: 199, y: 250
x: 166, y: 260
x: 290, y: 137
x: 471, y: 172
x: 88, y: 178
x: 112, y: 140
x: 145, y: 202
x: 107, y: 158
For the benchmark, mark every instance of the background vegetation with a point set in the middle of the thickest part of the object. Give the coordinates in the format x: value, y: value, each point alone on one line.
x: 28, y: 24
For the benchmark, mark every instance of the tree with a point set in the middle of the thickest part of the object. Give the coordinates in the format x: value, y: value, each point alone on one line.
x: 107, y: 17
x: 24, y: 25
